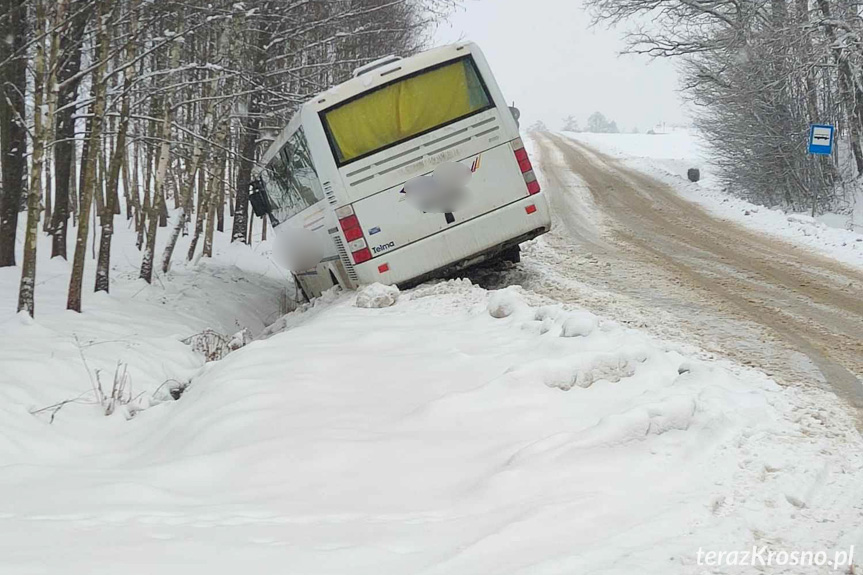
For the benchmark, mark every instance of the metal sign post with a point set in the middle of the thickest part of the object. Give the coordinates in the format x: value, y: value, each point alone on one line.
x: 821, y: 139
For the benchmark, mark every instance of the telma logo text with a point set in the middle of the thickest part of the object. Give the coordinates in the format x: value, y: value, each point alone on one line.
x: 383, y: 247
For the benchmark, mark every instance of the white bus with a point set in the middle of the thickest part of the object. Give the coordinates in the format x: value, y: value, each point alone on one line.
x: 340, y: 167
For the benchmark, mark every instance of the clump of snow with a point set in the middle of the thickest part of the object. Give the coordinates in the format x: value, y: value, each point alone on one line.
x: 503, y: 303
x: 240, y: 339
x: 377, y: 295
x: 579, y: 324
x: 328, y: 297
x: 460, y: 286
x: 639, y: 423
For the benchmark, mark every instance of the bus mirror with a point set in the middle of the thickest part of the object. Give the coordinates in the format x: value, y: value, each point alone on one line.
x: 516, y: 114
x: 258, y: 198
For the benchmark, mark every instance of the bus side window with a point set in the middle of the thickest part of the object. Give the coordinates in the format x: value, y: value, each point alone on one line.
x: 291, y: 180
x: 305, y: 176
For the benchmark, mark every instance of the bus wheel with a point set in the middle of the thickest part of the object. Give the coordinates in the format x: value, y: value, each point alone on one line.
x: 512, y: 254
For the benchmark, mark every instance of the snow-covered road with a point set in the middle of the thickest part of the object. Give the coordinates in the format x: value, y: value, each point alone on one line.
x: 631, y: 245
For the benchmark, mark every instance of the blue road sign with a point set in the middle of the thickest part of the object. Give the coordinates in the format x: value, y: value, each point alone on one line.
x: 821, y: 139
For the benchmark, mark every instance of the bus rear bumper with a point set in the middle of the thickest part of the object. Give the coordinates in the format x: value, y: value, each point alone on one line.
x: 462, y: 246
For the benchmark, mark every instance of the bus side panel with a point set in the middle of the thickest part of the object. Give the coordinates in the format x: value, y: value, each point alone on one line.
x: 318, y: 218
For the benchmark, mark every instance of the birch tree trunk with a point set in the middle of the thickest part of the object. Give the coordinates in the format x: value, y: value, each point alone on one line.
x: 34, y: 198
x: 13, y: 135
x: 69, y: 64
x: 164, y: 157
x: 103, y: 265
x: 186, y: 197
x: 88, y: 168
x: 158, y: 203
x: 46, y: 220
x: 248, y: 144
x: 206, y: 207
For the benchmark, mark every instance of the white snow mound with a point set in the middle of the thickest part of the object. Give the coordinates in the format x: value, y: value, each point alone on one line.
x: 579, y: 324
x: 377, y: 295
x: 504, y: 303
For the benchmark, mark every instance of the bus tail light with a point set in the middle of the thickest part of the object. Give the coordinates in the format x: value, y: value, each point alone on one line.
x: 525, y: 166
x: 353, y: 233
x: 360, y: 251
x: 350, y: 224
x: 532, y: 183
x: 362, y: 255
x: 523, y: 160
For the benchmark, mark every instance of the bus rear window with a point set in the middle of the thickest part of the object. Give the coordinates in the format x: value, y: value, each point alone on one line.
x: 404, y: 109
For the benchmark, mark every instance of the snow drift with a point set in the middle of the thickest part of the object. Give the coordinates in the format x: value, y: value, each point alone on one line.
x: 454, y: 431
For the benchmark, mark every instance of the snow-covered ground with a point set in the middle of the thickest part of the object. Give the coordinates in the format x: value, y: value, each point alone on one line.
x: 669, y: 156
x: 453, y: 430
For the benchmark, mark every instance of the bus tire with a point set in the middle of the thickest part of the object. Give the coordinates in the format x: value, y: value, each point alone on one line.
x: 512, y: 254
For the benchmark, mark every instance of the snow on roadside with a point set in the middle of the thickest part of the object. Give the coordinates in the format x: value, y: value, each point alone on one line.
x: 668, y: 157
x: 51, y: 364
x: 455, y: 431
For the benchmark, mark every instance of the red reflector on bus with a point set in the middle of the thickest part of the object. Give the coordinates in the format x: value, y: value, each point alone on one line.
x: 523, y: 160
x: 362, y: 255
x: 383, y: 268
x: 352, y: 234
x: 533, y: 187
x: 530, y: 209
x: 349, y: 222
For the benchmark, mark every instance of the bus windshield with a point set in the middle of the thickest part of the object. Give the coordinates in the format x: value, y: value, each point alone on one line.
x: 406, y: 108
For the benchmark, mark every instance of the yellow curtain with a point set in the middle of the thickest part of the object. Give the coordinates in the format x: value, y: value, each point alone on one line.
x: 400, y: 111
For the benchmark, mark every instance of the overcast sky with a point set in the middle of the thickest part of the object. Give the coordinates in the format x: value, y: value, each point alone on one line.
x: 548, y: 59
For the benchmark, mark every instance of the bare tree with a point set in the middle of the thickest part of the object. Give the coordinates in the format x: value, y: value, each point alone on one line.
x: 13, y: 130
x: 69, y: 65
x: 103, y: 266
x: 94, y: 141
x: 760, y: 73
x: 44, y: 87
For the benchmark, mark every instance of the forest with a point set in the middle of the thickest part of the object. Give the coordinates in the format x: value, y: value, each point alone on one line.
x: 147, y: 106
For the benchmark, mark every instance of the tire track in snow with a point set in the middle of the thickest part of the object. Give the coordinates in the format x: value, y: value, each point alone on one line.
x: 726, y: 283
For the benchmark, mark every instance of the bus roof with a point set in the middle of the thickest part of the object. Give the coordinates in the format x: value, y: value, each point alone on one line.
x: 364, y: 83
x: 387, y: 73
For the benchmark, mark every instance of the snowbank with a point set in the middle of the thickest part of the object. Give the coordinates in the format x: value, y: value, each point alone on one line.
x: 55, y: 364
x: 460, y: 432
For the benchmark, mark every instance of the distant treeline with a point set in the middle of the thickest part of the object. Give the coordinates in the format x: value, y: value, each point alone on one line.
x: 759, y: 72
